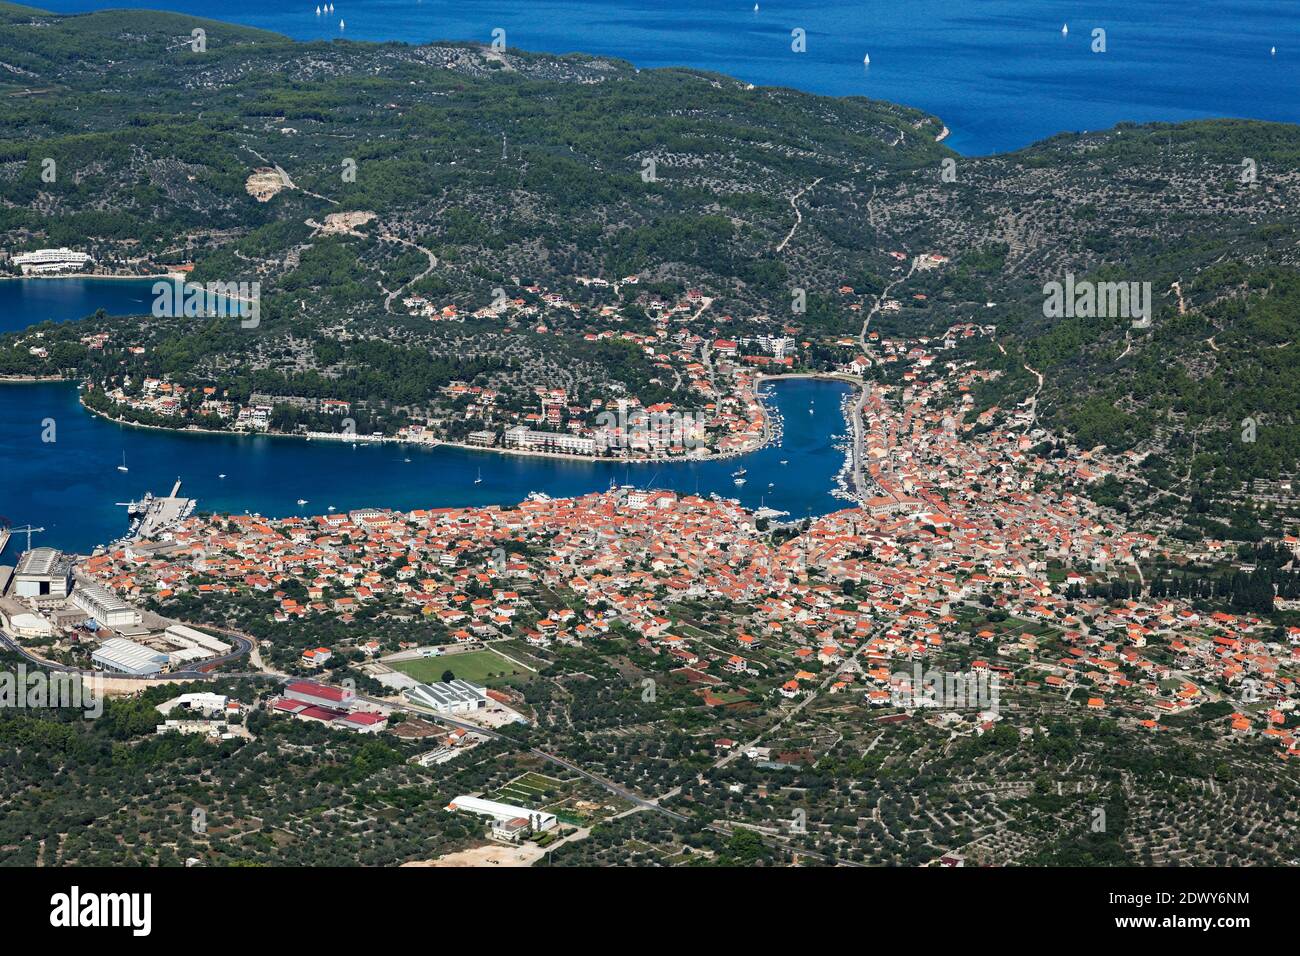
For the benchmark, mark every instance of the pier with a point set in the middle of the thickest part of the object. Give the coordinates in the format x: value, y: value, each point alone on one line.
x: 152, y: 516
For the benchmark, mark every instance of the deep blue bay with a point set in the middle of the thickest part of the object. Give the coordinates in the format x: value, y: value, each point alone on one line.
x: 70, y: 486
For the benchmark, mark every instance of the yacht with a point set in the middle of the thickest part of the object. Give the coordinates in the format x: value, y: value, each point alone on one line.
x: 122, y: 467
x: 739, y: 481
x: 866, y: 59
x: 739, y: 473
x: 479, y: 479
x: 1065, y: 29
x: 785, y: 461
x: 301, y: 502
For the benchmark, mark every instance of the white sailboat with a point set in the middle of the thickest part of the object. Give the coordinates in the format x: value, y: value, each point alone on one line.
x: 866, y: 59
x: 756, y: 8
x: 1272, y: 51
x: 318, y: 10
x: 479, y: 479
x: 122, y: 467
x: 1065, y: 29
x: 341, y: 24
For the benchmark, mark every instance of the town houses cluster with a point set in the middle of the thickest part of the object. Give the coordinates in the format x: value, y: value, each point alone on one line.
x: 964, y: 546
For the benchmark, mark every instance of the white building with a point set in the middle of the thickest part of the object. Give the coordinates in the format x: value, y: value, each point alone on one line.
x: 182, y: 636
x: 30, y: 625
x: 520, y: 436
x: 455, y: 697
x: 508, y: 822
x: 42, y: 572
x: 104, y: 606
x: 127, y: 657
x: 51, y: 260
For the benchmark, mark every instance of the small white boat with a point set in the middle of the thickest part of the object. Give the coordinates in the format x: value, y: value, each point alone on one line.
x: 756, y: 8
x: 785, y: 461
x: 739, y: 481
x: 407, y: 460
x: 122, y: 467
x: 1065, y: 29
x: 301, y: 502
x: 1272, y: 51
x: 221, y: 475
x: 479, y: 479
x: 866, y: 59
x: 318, y: 11
x: 341, y: 24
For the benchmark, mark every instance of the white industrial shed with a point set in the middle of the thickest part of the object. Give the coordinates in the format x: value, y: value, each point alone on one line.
x: 127, y: 657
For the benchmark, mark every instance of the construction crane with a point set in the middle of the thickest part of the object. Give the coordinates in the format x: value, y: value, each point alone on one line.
x: 29, y: 529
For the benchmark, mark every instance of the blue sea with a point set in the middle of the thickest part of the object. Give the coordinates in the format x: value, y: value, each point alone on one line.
x: 999, y: 73
x: 26, y: 302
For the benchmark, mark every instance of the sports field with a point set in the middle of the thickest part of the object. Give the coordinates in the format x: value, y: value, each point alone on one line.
x: 485, y: 667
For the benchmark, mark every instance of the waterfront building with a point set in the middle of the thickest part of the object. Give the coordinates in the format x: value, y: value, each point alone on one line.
x: 44, y: 261
x: 520, y: 436
x: 43, y: 572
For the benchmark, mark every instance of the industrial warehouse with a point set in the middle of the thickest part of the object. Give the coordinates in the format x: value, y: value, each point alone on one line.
x: 508, y: 822
x: 452, y: 697
x: 45, y: 604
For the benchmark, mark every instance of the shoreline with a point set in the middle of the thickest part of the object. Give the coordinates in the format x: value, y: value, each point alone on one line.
x: 519, y: 452
x: 93, y: 275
